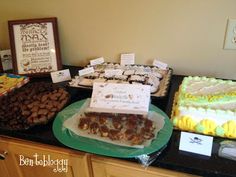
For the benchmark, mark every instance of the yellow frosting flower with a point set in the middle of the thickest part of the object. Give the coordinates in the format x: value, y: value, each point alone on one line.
x: 230, y: 129
x: 209, y: 126
x: 186, y: 123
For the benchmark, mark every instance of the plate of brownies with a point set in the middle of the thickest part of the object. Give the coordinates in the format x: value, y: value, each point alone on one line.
x: 157, y: 78
x: 112, y: 134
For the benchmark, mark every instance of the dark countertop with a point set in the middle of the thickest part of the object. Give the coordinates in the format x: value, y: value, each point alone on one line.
x: 170, y: 158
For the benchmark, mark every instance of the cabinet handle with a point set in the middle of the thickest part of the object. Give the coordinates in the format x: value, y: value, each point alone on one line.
x: 3, y: 155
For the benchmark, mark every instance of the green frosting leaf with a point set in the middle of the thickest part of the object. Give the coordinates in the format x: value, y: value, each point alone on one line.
x: 175, y: 121
x: 220, y: 131
x: 200, y: 128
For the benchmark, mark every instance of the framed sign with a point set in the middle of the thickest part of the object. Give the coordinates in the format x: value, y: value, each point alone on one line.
x: 35, y: 46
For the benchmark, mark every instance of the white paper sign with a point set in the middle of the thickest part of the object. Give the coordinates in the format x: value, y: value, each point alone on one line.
x: 60, y: 76
x: 6, y: 59
x: 196, y: 143
x: 113, y: 72
x: 124, y: 98
x: 160, y: 64
x: 86, y: 71
x: 97, y: 61
x: 127, y: 59
x: 35, y: 53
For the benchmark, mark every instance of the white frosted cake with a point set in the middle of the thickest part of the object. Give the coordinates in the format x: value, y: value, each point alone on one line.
x: 206, y: 105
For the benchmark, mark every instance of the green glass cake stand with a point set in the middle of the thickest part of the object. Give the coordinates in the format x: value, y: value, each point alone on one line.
x: 74, y: 141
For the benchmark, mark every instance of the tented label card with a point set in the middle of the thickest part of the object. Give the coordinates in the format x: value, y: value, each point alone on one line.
x: 120, y: 98
x: 195, y: 143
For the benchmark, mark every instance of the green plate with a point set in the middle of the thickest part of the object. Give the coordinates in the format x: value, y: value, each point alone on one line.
x: 69, y: 139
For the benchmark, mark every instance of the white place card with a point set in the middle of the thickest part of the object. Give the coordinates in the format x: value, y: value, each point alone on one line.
x: 85, y: 71
x: 121, y: 98
x: 60, y: 76
x: 195, y: 143
x: 97, y: 61
x: 160, y: 64
x: 127, y: 59
x: 113, y: 72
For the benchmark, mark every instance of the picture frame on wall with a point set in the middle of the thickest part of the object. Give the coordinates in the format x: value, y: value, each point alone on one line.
x: 35, y: 46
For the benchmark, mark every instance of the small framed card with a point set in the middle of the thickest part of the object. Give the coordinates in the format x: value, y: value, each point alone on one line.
x: 35, y: 46
x: 6, y: 60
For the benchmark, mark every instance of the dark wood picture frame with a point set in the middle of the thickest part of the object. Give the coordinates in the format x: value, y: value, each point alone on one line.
x: 35, y: 46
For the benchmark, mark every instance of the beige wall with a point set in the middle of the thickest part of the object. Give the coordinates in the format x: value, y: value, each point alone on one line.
x: 186, y: 34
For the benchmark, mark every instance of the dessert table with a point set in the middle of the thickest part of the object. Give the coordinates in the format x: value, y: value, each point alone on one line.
x: 170, y: 157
